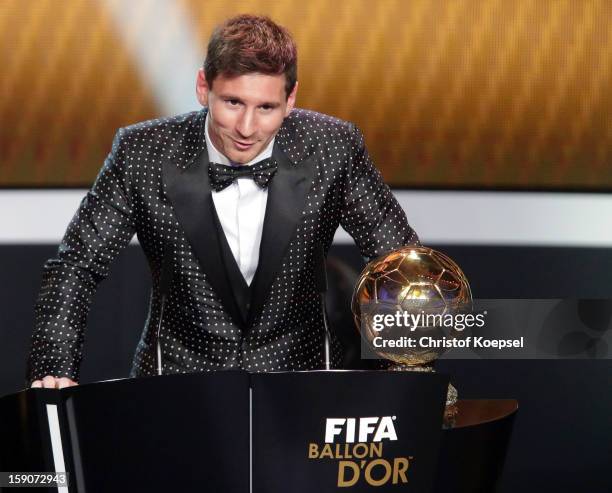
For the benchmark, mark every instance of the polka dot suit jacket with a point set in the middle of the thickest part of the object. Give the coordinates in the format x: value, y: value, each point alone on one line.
x: 154, y: 183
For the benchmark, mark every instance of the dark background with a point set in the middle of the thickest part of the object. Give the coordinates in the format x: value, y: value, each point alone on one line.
x: 562, y: 438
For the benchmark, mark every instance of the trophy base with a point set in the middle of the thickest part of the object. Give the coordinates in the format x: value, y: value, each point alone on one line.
x: 450, y: 410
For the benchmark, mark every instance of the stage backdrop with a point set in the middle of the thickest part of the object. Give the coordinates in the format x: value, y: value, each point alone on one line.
x: 463, y: 93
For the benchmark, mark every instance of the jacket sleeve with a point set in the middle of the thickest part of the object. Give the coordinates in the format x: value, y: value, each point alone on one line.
x: 371, y: 214
x: 102, y: 226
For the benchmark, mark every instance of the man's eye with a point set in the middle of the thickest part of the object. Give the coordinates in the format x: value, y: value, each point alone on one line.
x: 266, y: 107
x: 232, y: 102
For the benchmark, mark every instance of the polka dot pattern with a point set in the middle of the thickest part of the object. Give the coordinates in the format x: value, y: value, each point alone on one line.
x: 129, y: 197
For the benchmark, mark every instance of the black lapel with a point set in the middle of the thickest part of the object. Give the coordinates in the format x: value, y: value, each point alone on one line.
x: 189, y: 191
x: 286, y: 196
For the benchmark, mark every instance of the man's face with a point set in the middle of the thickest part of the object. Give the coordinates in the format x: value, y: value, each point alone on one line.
x: 245, y: 111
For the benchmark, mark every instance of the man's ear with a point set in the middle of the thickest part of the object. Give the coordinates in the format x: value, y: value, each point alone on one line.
x: 202, y: 88
x: 291, y: 99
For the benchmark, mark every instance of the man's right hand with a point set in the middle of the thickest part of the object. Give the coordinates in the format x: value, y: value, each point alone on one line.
x: 50, y: 382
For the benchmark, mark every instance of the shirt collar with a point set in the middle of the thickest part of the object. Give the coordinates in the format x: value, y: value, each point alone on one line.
x: 214, y: 156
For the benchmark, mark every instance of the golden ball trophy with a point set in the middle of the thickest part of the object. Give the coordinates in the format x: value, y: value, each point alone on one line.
x: 411, y: 294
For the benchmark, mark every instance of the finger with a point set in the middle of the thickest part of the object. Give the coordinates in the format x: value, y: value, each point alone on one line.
x: 64, y: 382
x: 49, y: 382
x: 37, y: 384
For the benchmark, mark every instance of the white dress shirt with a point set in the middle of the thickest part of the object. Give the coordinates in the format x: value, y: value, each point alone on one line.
x: 241, y: 208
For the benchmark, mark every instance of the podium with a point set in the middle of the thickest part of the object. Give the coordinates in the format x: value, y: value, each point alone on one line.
x: 232, y: 431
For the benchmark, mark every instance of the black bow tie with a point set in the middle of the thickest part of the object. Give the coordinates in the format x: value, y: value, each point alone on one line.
x: 222, y: 176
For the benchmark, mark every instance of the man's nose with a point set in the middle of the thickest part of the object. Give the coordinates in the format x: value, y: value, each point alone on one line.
x: 246, y: 124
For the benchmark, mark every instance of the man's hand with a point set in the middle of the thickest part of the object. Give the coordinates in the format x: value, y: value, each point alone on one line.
x: 50, y: 382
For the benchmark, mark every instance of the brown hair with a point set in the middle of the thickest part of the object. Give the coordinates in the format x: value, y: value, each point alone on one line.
x: 249, y: 43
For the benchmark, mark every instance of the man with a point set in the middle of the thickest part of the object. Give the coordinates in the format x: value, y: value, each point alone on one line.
x: 241, y: 249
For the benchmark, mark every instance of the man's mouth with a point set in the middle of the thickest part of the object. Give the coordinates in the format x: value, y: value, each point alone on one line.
x: 242, y: 146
